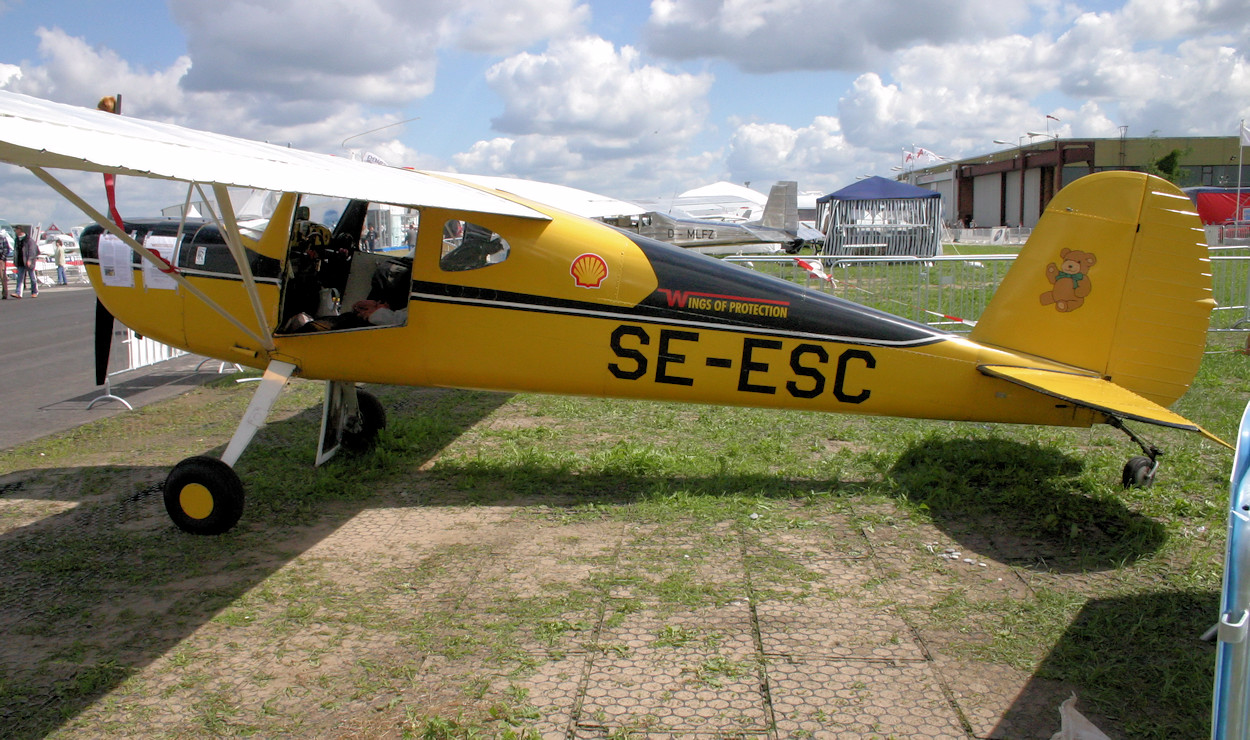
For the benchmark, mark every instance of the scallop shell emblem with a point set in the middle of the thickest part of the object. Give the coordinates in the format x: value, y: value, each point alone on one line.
x: 589, y: 271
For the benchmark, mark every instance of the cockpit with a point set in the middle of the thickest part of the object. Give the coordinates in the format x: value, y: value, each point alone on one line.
x: 340, y: 274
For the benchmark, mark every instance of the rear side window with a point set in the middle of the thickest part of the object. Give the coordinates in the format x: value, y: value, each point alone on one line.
x: 467, y: 246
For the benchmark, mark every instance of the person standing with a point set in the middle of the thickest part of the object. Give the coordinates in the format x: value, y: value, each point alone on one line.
x: 25, y: 253
x: 6, y: 249
x: 60, y: 262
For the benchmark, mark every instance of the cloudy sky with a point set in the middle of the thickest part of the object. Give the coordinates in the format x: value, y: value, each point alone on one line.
x: 630, y: 99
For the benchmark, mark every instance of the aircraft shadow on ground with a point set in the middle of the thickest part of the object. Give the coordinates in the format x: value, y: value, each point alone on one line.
x: 1021, y: 504
x: 1139, y: 663
x: 99, y: 584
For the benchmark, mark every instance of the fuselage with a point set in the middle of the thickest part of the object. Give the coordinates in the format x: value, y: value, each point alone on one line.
x: 576, y: 307
x: 706, y: 233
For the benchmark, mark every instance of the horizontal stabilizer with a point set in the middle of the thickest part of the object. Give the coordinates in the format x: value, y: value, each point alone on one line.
x: 1096, y: 393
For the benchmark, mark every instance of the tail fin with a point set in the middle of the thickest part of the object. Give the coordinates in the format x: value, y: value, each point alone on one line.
x: 1116, y: 280
x: 781, y: 211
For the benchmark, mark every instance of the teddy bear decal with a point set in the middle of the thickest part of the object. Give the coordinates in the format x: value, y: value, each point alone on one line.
x: 1069, y: 280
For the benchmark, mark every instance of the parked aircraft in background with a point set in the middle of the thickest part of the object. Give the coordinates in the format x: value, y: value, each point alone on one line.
x: 1101, y: 319
x: 777, y: 229
x: 729, y: 224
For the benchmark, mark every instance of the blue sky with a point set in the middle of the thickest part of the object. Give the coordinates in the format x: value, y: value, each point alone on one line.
x: 636, y: 99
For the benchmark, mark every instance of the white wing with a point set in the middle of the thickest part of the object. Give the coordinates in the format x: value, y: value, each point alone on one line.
x: 38, y: 133
x: 581, y: 202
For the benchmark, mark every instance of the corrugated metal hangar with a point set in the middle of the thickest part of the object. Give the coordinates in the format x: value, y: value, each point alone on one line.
x: 1012, y: 186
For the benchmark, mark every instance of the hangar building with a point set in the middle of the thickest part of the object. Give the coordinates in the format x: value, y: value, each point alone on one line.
x: 1012, y: 186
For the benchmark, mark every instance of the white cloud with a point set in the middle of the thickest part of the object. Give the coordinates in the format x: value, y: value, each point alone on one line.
x: 818, y: 156
x: 535, y: 157
x: 602, y: 99
x: 502, y: 28
x: 1151, y: 19
x: 76, y: 73
x: 370, y: 51
x: 551, y: 159
x: 331, y: 50
x: 777, y: 35
x: 1195, y: 89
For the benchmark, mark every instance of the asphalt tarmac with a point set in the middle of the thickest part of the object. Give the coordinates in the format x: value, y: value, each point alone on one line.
x: 47, y: 367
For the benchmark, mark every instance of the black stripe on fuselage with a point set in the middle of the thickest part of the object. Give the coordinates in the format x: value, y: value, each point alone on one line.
x: 459, y: 295
x: 682, y: 274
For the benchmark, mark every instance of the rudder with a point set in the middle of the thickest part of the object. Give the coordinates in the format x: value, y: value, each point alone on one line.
x: 781, y: 210
x: 1115, y: 279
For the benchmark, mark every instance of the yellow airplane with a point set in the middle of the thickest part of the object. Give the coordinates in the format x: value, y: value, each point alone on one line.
x: 1102, y: 318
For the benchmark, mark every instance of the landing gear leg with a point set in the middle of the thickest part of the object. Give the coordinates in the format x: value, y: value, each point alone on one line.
x: 204, y: 495
x: 1139, y: 471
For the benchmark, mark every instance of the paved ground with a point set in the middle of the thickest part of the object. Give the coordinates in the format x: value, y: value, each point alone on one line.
x: 47, y: 370
x: 656, y: 632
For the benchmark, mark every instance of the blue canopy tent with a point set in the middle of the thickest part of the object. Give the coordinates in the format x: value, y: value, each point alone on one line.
x: 876, y: 216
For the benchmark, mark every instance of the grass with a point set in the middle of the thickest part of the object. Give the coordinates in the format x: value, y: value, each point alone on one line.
x: 660, y: 512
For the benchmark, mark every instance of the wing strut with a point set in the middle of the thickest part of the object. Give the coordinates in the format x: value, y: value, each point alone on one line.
x: 147, y: 254
x: 230, y: 230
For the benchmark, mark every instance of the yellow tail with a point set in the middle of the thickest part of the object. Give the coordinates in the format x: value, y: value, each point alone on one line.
x: 1116, y: 280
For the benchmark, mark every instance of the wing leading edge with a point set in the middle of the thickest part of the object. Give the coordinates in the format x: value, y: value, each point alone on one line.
x: 39, y: 134
x: 1097, y: 394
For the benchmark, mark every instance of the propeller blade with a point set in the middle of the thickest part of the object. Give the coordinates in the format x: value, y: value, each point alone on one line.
x: 103, y: 341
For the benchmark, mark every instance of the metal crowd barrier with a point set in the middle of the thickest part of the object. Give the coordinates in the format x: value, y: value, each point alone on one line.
x: 952, y: 291
x: 944, y: 291
x: 1230, y: 267
x: 140, y: 352
x: 995, y: 235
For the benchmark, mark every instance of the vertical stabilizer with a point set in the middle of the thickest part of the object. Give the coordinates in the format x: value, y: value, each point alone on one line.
x: 1115, y: 279
x: 781, y: 211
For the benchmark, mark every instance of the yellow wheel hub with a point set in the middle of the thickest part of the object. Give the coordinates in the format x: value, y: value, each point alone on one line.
x: 196, y: 501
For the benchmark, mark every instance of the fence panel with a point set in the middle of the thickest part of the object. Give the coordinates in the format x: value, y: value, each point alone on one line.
x: 1229, y: 268
x: 941, y: 291
x: 949, y: 291
x: 140, y: 352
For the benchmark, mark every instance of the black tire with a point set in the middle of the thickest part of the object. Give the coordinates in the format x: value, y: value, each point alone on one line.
x: 1138, y: 472
x: 372, y: 421
x: 203, y: 495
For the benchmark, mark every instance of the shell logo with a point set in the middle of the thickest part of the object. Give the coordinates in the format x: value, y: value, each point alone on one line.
x: 589, y: 271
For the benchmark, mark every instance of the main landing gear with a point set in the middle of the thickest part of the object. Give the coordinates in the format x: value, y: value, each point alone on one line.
x: 1139, y: 471
x: 203, y: 495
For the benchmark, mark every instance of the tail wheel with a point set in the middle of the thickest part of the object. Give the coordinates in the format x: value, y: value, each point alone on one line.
x: 1139, y: 472
x: 372, y: 421
x: 203, y: 495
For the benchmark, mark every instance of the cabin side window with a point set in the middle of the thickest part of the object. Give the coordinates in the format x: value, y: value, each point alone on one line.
x: 468, y: 246
x: 333, y: 282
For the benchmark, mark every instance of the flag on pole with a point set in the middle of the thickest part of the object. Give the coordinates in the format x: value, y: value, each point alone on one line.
x: 1245, y: 134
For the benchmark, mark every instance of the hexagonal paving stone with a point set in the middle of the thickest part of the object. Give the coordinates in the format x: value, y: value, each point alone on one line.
x: 855, y: 699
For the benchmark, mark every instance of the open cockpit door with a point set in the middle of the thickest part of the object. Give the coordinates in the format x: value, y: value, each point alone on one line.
x: 348, y: 266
